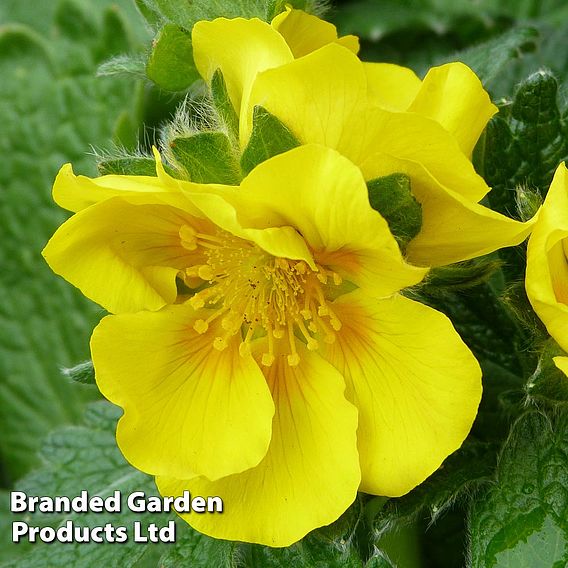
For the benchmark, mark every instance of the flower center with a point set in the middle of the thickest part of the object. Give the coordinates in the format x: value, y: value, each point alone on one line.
x: 257, y: 294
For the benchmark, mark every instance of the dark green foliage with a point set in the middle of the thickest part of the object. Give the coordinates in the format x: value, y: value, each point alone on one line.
x: 522, y: 520
x: 524, y: 144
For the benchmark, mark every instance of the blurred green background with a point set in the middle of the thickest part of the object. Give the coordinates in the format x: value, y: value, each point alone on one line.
x: 54, y: 109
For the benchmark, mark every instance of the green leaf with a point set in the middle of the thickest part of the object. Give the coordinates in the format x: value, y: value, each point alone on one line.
x: 524, y: 144
x: 150, y: 12
x: 269, y: 138
x: 77, y: 458
x: 72, y: 21
x: 207, y: 157
x: 52, y: 112
x: 7, y: 549
x: 392, y: 197
x: 522, y: 520
x: 115, y: 37
x: 198, y: 551
x: 489, y: 58
x: 171, y: 65
x: 223, y: 105
x: 185, y: 13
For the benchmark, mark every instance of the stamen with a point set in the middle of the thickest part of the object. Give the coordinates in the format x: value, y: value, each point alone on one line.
x: 251, y: 290
x: 268, y: 358
x: 188, y: 238
x: 244, y: 347
x: 220, y: 343
x: 293, y: 358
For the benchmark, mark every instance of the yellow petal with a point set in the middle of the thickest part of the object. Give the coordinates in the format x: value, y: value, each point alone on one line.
x: 320, y: 97
x: 324, y: 196
x: 77, y: 192
x: 391, y: 86
x: 547, y: 267
x: 188, y: 408
x: 414, y: 382
x: 240, y: 49
x: 310, y: 474
x: 453, y: 95
x: 305, y: 33
x: 323, y: 99
x: 453, y: 227
x: 125, y: 257
x: 562, y: 364
x: 409, y: 136
x: 217, y: 203
x: 351, y: 42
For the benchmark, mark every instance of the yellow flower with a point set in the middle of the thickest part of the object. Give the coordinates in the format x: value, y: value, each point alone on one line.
x: 286, y: 373
x: 547, y: 264
x: 380, y: 116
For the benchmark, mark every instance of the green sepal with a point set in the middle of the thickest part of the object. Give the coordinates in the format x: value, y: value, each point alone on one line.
x: 171, y: 65
x: 133, y: 65
x: 223, y: 105
x: 459, y: 276
x: 514, y: 298
x: 130, y: 166
x: 206, y: 157
x: 83, y: 373
x: 392, y: 197
x: 548, y: 383
x: 269, y: 138
x: 528, y: 202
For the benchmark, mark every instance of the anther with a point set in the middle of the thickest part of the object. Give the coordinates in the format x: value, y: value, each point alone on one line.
x: 220, y: 343
x: 205, y: 273
x: 201, y: 326
x: 196, y: 302
x: 188, y: 238
x: 267, y: 359
x: 323, y: 311
x: 312, y: 344
x: 278, y: 332
x: 293, y: 359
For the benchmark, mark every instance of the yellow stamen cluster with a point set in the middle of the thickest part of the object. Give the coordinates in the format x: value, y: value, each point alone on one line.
x: 257, y: 294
